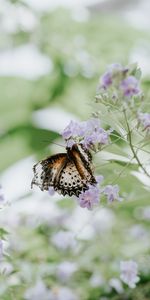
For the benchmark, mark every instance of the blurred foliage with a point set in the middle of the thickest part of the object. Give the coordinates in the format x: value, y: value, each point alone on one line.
x: 82, y: 48
x: 79, y: 51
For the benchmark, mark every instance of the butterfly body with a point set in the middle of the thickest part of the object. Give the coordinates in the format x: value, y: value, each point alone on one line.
x: 68, y: 173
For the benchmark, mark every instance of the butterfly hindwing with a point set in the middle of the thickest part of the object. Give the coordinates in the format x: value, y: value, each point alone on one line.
x: 70, y: 181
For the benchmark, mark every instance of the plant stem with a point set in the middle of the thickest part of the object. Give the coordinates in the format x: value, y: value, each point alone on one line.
x: 132, y: 148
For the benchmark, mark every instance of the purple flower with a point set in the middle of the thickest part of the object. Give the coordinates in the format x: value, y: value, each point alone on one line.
x: 116, y: 67
x: 114, y: 71
x: 73, y: 129
x: 70, y: 143
x: 129, y: 273
x: 106, y: 80
x: 144, y: 118
x: 51, y: 191
x: 65, y: 270
x: 94, y: 134
x: 99, y: 136
x: 92, y: 124
x: 90, y: 197
x: 130, y: 86
x: 99, y: 178
x: 89, y: 133
x: 112, y: 193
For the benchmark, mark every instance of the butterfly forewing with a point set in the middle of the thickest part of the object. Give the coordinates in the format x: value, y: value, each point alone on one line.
x: 47, y: 170
x: 68, y: 173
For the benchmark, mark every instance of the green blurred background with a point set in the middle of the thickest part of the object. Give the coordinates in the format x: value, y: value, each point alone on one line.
x: 52, y: 58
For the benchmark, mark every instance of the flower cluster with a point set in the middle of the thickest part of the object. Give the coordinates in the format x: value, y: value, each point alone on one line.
x: 89, y: 133
x: 130, y: 86
x: 129, y: 273
x: 122, y: 79
x: 91, y: 197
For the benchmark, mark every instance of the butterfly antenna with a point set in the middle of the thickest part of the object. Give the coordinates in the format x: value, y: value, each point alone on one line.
x: 45, y: 141
x: 58, y: 145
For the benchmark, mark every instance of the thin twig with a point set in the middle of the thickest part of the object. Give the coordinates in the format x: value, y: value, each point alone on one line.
x: 132, y: 147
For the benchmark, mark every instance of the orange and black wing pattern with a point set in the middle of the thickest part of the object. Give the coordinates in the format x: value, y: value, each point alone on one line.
x: 68, y: 173
x: 46, y: 172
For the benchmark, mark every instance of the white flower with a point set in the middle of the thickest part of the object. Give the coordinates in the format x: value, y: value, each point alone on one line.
x: 62, y: 293
x: 37, y: 292
x: 65, y: 270
x: 116, y: 284
x: 64, y: 240
x: 129, y: 273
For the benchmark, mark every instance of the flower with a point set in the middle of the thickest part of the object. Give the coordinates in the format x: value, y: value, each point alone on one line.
x: 89, y: 133
x: 73, y: 129
x: 64, y: 240
x: 91, y: 124
x: 112, y: 192
x: 96, y: 137
x: 144, y: 119
x: 65, y: 270
x: 145, y: 213
x: 116, y: 284
x: 40, y: 291
x: 117, y: 67
x: 94, y: 134
x: 99, y: 178
x: 51, y: 191
x: 114, y: 72
x: 62, y: 293
x: 130, y: 86
x: 119, y: 80
x: 90, y: 197
x: 129, y: 273
x: 37, y: 292
x: 106, y: 80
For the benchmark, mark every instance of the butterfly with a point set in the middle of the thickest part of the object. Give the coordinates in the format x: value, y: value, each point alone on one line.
x: 68, y: 173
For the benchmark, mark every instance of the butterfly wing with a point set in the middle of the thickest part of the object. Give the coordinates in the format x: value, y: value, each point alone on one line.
x: 68, y: 173
x: 70, y: 182
x: 77, y: 174
x: 83, y: 162
x: 46, y: 172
